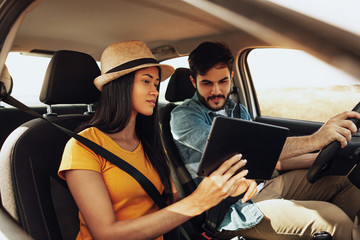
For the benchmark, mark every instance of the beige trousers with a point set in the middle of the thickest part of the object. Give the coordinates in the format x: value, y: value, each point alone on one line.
x: 296, y: 209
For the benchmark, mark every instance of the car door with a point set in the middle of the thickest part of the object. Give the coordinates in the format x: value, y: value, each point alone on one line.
x: 9, y: 21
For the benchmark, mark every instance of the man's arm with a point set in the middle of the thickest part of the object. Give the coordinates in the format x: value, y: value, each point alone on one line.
x: 189, y: 128
x: 299, y: 162
x: 336, y: 128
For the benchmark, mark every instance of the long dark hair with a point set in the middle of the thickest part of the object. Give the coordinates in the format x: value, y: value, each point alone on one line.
x: 113, y: 114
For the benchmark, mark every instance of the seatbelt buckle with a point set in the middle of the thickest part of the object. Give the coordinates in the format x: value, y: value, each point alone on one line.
x: 208, y: 233
x: 206, y: 236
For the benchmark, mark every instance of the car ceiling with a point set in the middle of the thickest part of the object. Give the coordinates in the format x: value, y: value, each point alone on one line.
x: 91, y: 25
x: 173, y: 27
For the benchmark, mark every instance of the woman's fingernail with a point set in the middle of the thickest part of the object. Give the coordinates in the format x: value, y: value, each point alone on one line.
x: 244, y: 161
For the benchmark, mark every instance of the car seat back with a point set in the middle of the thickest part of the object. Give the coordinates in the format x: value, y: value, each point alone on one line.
x: 179, y: 88
x: 29, y: 159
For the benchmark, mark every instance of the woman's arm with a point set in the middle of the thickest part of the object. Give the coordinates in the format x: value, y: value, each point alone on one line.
x: 93, y: 200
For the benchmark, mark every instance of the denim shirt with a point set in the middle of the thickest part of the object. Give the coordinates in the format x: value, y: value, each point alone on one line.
x: 190, y: 126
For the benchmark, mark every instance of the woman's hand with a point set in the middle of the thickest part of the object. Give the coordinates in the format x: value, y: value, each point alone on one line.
x: 100, y: 217
x: 247, y: 185
x: 223, y: 183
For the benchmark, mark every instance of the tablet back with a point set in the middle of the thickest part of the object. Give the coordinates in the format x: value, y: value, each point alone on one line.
x: 259, y: 143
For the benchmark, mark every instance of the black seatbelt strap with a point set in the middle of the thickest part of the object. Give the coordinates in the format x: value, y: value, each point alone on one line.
x: 236, y: 111
x: 213, y: 217
x: 144, y: 182
x: 216, y: 214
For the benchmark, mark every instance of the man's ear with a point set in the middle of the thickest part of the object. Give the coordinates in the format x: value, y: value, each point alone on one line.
x: 193, y: 81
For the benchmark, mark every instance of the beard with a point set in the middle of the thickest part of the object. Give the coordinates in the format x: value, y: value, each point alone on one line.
x: 205, y: 101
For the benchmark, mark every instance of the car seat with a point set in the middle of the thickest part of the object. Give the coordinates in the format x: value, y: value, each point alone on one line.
x: 179, y: 88
x: 31, y: 191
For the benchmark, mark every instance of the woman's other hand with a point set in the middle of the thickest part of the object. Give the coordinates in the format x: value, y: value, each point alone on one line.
x: 223, y: 182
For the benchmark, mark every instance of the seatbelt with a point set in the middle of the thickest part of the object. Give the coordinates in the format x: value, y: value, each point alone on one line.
x: 212, y: 218
x: 145, y: 183
x: 214, y: 215
x: 236, y: 111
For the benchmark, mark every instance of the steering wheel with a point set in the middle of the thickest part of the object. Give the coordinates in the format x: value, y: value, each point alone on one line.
x: 325, y: 161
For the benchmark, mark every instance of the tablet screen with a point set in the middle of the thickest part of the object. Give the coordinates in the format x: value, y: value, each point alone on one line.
x: 259, y: 143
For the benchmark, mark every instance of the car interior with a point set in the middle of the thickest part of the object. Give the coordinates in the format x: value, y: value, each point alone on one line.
x: 35, y: 202
x: 177, y: 91
x: 35, y: 150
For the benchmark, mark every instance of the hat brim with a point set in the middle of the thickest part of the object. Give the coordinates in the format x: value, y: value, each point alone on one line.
x: 100, y: 81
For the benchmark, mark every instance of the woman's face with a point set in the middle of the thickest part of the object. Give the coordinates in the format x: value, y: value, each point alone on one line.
x: 144, y: 93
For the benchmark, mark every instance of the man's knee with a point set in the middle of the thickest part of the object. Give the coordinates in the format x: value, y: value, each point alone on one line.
x: 304, y: 218
x: 337, y: 222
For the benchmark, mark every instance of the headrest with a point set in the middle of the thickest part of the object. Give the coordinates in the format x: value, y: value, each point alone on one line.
x: 69, y: 79
x: 6, y: 79
x: 179, y: 87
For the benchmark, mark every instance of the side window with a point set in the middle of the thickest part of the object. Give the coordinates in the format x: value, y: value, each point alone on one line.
x: 294, y: 84
x: 176, y: 63
x: 28, y: 74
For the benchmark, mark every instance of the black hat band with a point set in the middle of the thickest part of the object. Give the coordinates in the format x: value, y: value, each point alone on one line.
x: 131, y: 64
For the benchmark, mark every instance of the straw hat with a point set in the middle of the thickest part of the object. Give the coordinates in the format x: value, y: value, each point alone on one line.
x: 124, y: 57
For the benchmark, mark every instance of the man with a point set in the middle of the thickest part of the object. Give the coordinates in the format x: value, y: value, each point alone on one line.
x: 291, y: 207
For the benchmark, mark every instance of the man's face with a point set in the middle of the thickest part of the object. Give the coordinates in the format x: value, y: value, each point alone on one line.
x: 213, y: 88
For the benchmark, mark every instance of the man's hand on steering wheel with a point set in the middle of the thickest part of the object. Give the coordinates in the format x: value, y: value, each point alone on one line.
x: 338, y: 128
x: 334, y: 134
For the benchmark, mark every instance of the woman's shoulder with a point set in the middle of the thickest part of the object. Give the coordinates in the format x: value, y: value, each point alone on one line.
x: 78, y: 156
x: 93, y: 134
x: 90, y: 131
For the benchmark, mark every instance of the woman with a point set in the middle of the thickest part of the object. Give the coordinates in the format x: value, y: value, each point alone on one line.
x: 112, y: 204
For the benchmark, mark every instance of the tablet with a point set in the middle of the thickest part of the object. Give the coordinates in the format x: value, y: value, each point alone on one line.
x: 259, y: 143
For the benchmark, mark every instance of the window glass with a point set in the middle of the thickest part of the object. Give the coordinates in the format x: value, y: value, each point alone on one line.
x: 28, y: 74
x: 176, y: 63
x: 343, y: 14
x: 294, y: 84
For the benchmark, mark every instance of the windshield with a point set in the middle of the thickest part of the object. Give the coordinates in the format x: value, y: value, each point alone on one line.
x: 343, y: 14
